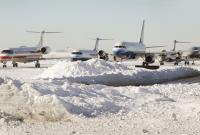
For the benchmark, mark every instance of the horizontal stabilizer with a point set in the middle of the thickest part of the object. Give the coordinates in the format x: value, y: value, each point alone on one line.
x: 97, y: 42
x: 99, y: 39
x: 40, y: 44
x: 41, y: 32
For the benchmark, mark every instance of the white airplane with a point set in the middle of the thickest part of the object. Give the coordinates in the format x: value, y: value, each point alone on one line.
x: 25, y: 54
x: 194, y: 52
x: 193, y: 55
x: 173, y: 55
x: 134, y: 50
x: 84, y: 55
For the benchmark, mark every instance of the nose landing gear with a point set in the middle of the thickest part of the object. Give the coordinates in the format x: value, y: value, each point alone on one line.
x: 37, y: 64
x: 15, y: 64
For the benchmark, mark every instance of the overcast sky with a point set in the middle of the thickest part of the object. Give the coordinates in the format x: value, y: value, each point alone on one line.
x: 79, y: 20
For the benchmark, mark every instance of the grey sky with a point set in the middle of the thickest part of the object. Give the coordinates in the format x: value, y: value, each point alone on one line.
x: 166, y: 20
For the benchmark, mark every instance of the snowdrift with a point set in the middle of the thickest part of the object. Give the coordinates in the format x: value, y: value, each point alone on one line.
x: 23, y: 101
x: 87, y: 68
x: 61, y: 97
x: 113, y: 74
x: 47, y: 101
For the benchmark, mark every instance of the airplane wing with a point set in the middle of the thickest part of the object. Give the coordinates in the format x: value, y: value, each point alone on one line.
x: 154, y: 47
x: 54, y: 58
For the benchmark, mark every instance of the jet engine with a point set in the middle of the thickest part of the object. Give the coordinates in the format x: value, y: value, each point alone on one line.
x: 150, y: 58
x: 179, y: 55
x: 45, y: 50
x: 103, y: 55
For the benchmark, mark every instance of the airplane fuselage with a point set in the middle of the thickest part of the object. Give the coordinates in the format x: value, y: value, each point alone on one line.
x: 129, y: 50
x: 194, y: 52
x: 83, y: 55
x: 21, y: 54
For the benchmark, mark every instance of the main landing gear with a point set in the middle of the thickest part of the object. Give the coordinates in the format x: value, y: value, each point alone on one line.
x: 187, y: 63
x: 162, y: 63
x: 4, y: 64
x: 15, y: 64
x: 176, y: 63
x: 145, y: 64
x: 37, y: 64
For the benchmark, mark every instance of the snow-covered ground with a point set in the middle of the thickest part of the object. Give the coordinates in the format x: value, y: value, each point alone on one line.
x: 98, y: 97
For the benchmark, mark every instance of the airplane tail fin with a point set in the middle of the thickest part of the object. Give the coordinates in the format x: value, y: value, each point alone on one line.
x: 142, y: 33
x: 175, y: 42
x: 97, y: 43
x: 40, y: 44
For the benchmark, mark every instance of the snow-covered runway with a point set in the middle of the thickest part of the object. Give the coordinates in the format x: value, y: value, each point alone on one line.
x: 83, y: 98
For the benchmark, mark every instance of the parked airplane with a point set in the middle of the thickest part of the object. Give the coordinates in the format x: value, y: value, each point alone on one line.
x: 193, y: 55
x: 84, y: 55
x: 194, y: 52
x: 25, y: 54
x: 172, y: 55
x: 134, y: 50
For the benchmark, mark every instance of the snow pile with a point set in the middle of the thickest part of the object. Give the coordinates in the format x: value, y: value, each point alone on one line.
x: 55, y: 101
x: 25, y: 102
x: 87, y: 68
x: 113, y: 74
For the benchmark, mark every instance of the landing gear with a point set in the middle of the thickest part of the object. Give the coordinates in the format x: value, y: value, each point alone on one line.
x: 4, y: 64
x: 15, y: 64
x: 161, y: 63
x: 115, y: 58
x: 145, y: 64
x: 187, y: 63
x: 193, y: 63
x: 37, y: 64
x: 176, y: 63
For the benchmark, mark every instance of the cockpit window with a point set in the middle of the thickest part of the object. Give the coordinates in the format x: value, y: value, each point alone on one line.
x: 120, y: 46
x: 195, y: 48
x: 79, y: 53
x: 7, y: 52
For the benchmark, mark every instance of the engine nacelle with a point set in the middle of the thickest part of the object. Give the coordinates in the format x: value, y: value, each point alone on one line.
x: 150, y: 59
x: 103, y: 55
x: 45, y: 50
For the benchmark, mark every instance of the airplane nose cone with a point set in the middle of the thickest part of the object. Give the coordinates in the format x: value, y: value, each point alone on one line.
x: 4, y: 57
x: 118, y: 51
